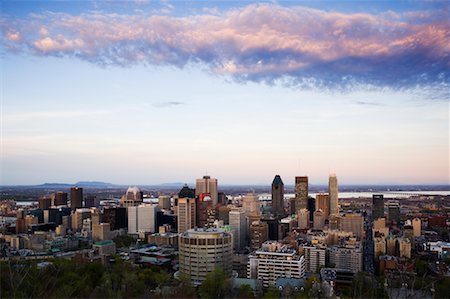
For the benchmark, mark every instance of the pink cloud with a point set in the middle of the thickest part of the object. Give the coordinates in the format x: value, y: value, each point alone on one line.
x: 257, y: 42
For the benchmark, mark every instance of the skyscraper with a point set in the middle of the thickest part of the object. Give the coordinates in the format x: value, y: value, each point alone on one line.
x: 186, y: 209
x: 132, y: 198
x: 251, y: 204
x: 301, y: 192
x: 278, y: 196
x: 59, y: 199
x: 323, y: 203
x: 333, y: 194
x: 239, y: 225
x: 207, y: 185
x: 394, y: 212
x: 76, y: 198
x: 377, y: 206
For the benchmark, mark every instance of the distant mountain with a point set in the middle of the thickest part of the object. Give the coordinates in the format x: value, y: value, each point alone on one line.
x: 93, y: 184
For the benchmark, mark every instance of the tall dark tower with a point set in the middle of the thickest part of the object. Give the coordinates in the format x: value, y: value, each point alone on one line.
x: 278, y: 196
x: 377, y: 206
x: 76, y: 197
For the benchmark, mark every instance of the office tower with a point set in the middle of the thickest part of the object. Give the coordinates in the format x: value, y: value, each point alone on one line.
x: 301, y: 192
x: 207, y: 185
x: 44, y: 203
x: 408, y: 230
x: 239, y: 226
x: 404, y: 246
x: 303, y: 218
x: 319, y: 219
x: 164, y: 202
x: 292, y: 209
x: 59, y: 199
x: 101, y: 232
x: 417, y: 227
x: 311, y: 208
x: 347, y: 258
x: 274, y: 260
x: 76, y: 198
x: 379, y: 246
x: 224, y: 214
x: 323, y: 203
x: 390, y: 245
x: 379, y: 223
x: 222, y: 198
x: 205, y: 211
x: 278, y: 196
x: 333, y: 194
x: 142, y: 218
x: 77, y: 218
x: 352, y: 223
x: 251, y: 204
x: 186, y: 211
x: 314, y: 257
x: 117, y: 217
x: 91, y: 201
x: 20, y: 222
x: 273, y: 227
x: 393, y: 212
x: 285, y: 226
x: 133, y: 197
x: 377, y: 206
x: 334, y: 221
x: 203, y: 250
x: 259, y: 233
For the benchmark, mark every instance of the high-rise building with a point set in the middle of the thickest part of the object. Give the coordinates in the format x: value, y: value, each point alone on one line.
x: 417, y: 227
x: 314, y: 257
x: 44, y: 203
x: 319, y: 219
x: 203, y: 250
x: 404, y: 246
x: 59, y: 199
x: 164, y: 202
x: 259, y: 233
x: 133, y: 197
x: 379, y: 246
x: 393, y: 212
x: 303, y: 218
x: 224, y: 214
x: 377, y: 206
x: 116, y: 217
x: 323, y: 203
x: 207, y: 185
x: 205, y: 211
x: 239, y: 226
x: 352, y: 223
x: 274, y: 260
x: 77, y: 218
x: 333, y: 194
x: 301, y: 192
x: 186, y: 211
x: 76, y: 198
x: 91, y: 201
x: 142, y: 218
x: 278, y: 196
x: 347, y: 258
x: 101, y: 232
x: 391, y: 243
x: 251, y: 204
x: 311, y: 208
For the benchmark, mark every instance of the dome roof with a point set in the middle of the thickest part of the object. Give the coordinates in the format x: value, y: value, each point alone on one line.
x: 135, y: 190
x: 186, y: 192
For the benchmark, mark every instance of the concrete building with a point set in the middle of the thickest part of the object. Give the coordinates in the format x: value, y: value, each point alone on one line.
x: 301, y: 192
x: 239, y: 226
x: 278, y: 197
x: 106, y: 247
x: 391, y: 243
x: 76, y: 198
x: 333, y: 194
x: 404, y: 247
x: 77, y: 218
x: 142, y: 218
x: 44, y: 203
x: 164, y: 202
x: 251, y: 205
x: 417, y: 227
x: 377, y: 206
x: 259, y: 233
x: 59, y: 199
x: 133, y: 197
x: 314, y: 257
x: 347, y: 258
x: 101, y: 232
x: 207, y: 185
x: 187, y: 214
x: 319, y: 219
x: 274, y: 260
x: 379, y: 246
x: 303, y: 218
x: 202, y: 250
x: 323, y: 203
x: 352, y: 223
x: 393, y: 211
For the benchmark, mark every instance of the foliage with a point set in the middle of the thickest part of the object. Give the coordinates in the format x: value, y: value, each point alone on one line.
x: 124, y: 241
x: 271, y: 292
x: 245, y: 291
x: 215, y: 285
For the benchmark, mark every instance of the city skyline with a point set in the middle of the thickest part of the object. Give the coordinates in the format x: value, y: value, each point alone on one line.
x: 152, y: 92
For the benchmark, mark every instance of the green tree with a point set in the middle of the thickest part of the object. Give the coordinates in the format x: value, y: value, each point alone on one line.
x: 245, y: 291
x: 271, y: 292
x: 216, y: 285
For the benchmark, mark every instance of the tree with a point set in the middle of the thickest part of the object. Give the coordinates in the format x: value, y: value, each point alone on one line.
x: 245, y: 291
x: 216, y: 285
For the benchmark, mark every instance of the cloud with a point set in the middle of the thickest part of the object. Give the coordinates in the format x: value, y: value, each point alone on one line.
x: 167, y: 104
x: 297, y: 46
x: 364, y: 103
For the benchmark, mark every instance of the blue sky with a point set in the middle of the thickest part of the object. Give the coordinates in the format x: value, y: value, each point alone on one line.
x: 152, y: 92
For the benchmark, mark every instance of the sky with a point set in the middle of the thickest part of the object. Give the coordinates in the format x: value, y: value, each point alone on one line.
x: 148, y: 92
